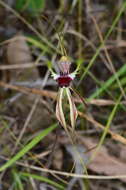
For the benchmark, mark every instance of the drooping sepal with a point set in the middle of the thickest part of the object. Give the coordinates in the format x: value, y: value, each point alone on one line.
x: 73, y: 110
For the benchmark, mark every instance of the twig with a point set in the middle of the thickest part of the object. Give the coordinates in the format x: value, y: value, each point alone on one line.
x: 66, y: 173
x: 115, y: 136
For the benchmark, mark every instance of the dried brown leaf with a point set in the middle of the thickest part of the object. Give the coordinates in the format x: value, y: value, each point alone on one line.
x: 104, y: 163
x: 18, y: 51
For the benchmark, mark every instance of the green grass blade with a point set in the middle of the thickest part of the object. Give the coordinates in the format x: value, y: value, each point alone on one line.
x: 110, y: 118
x: 122, y: 81
x: 17, y: 180
x: 108, y: 83
x: 121, y: 10
x: 43, y: 179
x: 28, y: 147
x: 39, y: 44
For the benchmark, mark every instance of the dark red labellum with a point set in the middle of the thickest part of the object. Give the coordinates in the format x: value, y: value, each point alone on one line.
x: 64, y: 81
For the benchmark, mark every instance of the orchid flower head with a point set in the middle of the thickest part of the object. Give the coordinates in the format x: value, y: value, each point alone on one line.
x: 64, y: 77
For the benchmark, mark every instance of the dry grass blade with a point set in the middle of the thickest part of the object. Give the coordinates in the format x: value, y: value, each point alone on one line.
x: 115, y: 136
x: 66, y: 173
x: 53, y: 95
x: 108, y: 57
x: 21, y: 66
x: 26, y: 90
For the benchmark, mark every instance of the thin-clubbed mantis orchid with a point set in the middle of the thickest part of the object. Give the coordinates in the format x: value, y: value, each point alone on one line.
x: 64, y: 79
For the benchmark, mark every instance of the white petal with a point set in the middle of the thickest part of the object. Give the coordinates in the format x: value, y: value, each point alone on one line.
x: 72, y: 75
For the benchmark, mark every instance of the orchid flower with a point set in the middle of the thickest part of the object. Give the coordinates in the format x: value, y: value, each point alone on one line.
x: 64, y: 78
